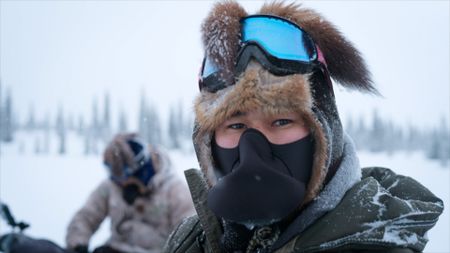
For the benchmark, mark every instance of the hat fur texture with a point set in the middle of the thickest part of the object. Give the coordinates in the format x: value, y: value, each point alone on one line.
x: 119, y: 154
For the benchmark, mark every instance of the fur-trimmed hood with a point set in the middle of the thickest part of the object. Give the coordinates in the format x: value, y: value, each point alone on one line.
x: 307, y: 94
x: 118, y: 154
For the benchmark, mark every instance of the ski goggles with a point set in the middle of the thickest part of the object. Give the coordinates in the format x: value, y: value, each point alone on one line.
x: 143, y: 173
x: 142, y: 163
x: 279, y: 45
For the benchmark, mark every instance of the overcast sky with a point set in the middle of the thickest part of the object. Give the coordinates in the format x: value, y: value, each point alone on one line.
x: 69, y: 52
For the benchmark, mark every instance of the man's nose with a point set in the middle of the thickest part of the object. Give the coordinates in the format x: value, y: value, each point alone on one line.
x: 262, y: 129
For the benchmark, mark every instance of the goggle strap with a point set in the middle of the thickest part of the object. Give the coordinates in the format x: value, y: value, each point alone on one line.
x: 326, y: 73
x: 320, y: 56
x: 276, y: 66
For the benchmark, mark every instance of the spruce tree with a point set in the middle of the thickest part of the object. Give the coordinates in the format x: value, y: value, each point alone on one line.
x: 61, y: 131
x: 173, y: 131
x: 94, y: 132
x: 123, y: 125
x: 143, y: 118
x: 7, y: 121
x: 106, y: 126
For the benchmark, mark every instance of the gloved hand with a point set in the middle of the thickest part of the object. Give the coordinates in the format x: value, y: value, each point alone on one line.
x: 105, y: 249
x: 81, y: 249
x: 235, y: 237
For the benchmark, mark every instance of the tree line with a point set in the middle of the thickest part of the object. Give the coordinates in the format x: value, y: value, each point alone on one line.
x: 375, y: 135
x: 383, y: 135
x: 99, y: 129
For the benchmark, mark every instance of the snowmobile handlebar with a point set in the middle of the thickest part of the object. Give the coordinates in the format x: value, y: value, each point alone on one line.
x: 9, y: 218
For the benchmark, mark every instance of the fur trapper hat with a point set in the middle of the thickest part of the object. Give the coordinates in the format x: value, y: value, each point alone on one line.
x: 310, y: 95
x: 118, y: 154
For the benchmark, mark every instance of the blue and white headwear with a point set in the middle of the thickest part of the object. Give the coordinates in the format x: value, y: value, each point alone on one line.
x: 127, y: 156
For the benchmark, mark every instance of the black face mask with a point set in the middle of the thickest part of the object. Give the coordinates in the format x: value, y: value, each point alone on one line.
x: 130, y: 193
x: 260, y: 182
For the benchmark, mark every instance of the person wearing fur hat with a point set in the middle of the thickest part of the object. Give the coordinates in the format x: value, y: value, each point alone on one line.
x: 278, y: 173
x: 142, y: 197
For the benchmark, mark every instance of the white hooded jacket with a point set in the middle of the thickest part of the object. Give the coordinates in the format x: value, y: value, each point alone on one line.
x: 141, y: 227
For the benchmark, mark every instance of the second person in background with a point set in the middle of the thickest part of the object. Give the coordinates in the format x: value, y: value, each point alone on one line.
x: 142, y: 197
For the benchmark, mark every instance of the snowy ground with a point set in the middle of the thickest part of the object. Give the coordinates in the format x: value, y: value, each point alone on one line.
x: 46, y: 190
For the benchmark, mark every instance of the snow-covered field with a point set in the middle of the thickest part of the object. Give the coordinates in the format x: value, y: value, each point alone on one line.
x: 46, y: 190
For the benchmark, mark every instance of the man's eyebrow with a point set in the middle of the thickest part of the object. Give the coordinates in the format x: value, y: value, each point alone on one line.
x: 237, y: 114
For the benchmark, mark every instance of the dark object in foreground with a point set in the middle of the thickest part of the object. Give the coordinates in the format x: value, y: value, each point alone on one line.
x: 17, y: 242
x: 20, y: 243
x: 9, y: 218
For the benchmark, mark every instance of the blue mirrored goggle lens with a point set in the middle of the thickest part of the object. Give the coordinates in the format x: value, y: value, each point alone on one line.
x: 209, y: 68
x: 278, y: 37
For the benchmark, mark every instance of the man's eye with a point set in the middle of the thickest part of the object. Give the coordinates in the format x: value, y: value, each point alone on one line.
x: 282, y: 122
x: 236, y: 126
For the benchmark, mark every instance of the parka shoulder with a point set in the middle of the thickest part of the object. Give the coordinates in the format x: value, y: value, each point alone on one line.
x: 384, y: 212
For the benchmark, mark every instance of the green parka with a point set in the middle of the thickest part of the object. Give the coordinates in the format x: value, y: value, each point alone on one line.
x: 382, y: 212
